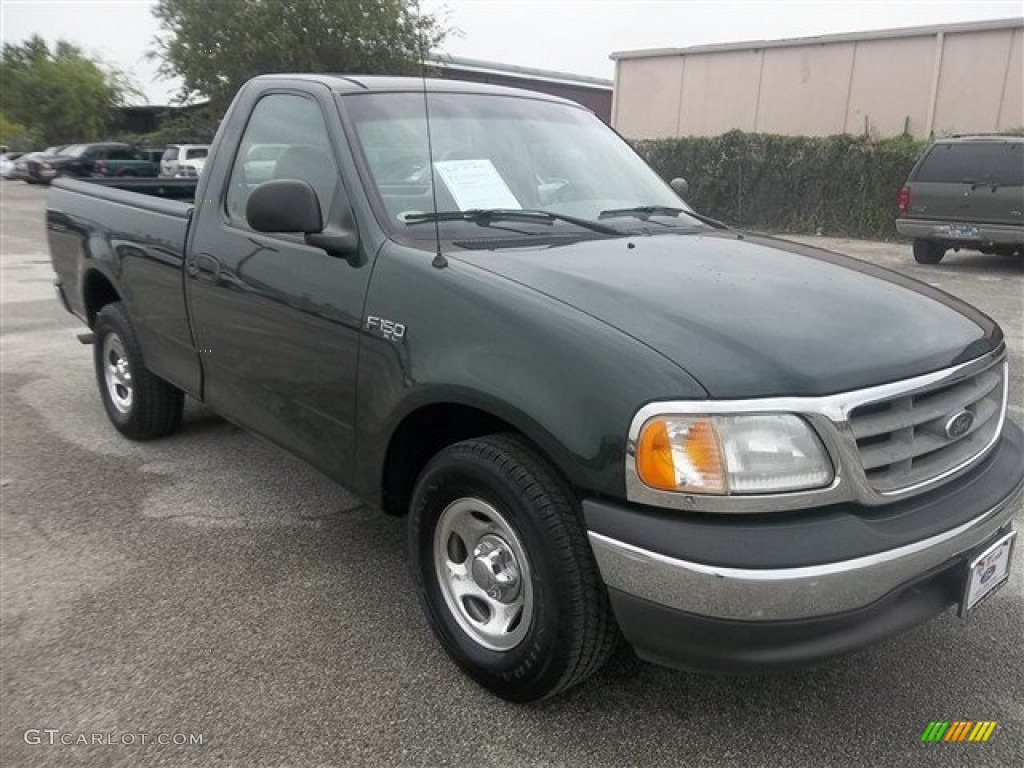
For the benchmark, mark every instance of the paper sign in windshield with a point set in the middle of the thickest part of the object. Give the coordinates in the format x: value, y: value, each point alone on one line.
x: 476, y: 184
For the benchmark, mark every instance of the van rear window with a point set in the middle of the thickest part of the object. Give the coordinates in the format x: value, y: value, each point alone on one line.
x: 974, y: 163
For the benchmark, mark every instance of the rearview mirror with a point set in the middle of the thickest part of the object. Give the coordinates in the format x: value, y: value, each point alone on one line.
x: 680, y: 186
x: 284, y: 205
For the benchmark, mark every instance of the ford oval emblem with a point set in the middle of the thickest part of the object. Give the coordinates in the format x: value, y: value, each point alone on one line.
x: 959, y: 424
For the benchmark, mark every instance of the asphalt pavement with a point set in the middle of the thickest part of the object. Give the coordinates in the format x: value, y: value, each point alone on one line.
x: 209, y: 587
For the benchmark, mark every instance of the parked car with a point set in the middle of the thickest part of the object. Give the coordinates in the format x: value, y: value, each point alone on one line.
x: 599, y: 410
x: 34, y: 167
x: 260, y: 161
x: 965, y: 192
x: 7, y: 160
x: 153, y: 155
x: 183, y: 160
x: 20, y: 169
x: 191, y: 168
x: 100, y: 159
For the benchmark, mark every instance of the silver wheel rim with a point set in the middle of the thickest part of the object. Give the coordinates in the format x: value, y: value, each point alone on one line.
x: 117, y: 373
x: 484, y: 574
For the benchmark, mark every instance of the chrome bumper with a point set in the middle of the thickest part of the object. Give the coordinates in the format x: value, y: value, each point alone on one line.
x: 1000, y: 234
x: 787, y: 593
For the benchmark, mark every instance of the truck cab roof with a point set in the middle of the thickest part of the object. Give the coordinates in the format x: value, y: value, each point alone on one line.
x: 385, y: 83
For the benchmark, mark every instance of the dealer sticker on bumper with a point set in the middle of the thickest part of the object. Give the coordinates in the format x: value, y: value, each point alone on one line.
x: 987, y: 572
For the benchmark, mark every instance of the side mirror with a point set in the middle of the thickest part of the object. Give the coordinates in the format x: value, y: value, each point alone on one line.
x: 291, y: 205
x: 284, y: 205
x: 680, y: 186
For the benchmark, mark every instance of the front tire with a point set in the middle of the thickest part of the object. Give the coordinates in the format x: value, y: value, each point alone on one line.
x: 928, y: 251
x: 504, y: 571
x: 139, y: 404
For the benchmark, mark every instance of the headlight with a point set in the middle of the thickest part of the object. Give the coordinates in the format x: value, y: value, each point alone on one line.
x: 757, y: 453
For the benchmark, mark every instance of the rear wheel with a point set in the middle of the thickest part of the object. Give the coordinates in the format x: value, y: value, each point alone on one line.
x: 928, y: 251
x: 504, y: 570
x: 139, y: 404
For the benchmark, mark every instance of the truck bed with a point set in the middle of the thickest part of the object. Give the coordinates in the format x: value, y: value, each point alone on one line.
x: 101, y: 230
x: 170, y: 189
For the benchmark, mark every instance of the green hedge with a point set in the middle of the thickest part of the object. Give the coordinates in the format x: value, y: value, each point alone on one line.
x: 836, y: 185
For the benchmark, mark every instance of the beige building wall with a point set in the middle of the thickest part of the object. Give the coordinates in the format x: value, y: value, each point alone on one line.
x: 891, y: 86
x: 971, y: 77
x: 704, y: 79
x: 657, y: 111
x: 804, y: 90
x: 1012, y: 113
x: 958, y: 78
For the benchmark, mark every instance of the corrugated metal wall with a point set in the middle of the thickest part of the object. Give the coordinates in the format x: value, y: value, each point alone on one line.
x: 964, y: 78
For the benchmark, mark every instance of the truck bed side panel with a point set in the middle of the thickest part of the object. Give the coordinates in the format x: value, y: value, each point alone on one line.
x: 137, y: 243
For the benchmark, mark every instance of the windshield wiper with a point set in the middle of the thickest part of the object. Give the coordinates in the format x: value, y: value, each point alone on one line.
x: 646, y: 211
x: 485, y: 216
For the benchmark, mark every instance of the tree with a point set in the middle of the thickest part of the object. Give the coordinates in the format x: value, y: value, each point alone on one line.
x: 57, y: 96
x: 216, y: 45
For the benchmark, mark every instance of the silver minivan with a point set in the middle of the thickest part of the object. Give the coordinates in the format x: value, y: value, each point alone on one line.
x: 183, y: 160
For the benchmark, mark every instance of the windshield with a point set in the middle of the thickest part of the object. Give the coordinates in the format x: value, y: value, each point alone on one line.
x: 500, y: 152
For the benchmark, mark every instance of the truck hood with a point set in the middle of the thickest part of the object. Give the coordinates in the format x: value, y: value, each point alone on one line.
x: 751, y: 316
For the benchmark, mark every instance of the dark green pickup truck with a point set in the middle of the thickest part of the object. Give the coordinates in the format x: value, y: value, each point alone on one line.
x: 604, y: 414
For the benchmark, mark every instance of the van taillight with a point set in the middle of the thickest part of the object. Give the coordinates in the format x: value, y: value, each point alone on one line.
x: 904, y: 201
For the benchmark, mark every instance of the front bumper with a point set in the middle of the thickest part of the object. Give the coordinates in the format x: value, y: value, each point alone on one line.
x: 995, y: 234
x: 725, y: 592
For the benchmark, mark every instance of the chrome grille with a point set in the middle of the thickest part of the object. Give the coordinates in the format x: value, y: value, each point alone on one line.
x: 911, y: 439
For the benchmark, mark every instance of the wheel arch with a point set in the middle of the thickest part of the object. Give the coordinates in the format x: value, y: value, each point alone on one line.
x: 98, y: 290
x: 430, y: 427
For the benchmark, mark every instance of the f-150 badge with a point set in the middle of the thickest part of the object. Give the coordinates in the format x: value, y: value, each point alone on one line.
x: 389, y: 329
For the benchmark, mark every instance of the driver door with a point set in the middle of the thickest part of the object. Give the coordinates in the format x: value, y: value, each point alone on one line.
x: 277, y: 321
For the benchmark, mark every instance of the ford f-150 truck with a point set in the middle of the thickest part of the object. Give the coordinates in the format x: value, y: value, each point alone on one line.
x: 604, y: 414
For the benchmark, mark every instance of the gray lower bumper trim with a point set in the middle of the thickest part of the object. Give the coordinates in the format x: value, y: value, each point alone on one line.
x: 786, y: 593
x: 941, y: 230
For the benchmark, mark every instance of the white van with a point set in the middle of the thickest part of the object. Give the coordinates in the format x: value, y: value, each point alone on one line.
x: 183, y: 160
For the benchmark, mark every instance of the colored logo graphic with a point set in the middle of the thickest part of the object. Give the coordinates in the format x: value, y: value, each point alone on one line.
x: 958, y: 730
x: 988, y: 574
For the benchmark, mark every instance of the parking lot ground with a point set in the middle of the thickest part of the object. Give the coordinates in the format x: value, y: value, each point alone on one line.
x: 209, y: 584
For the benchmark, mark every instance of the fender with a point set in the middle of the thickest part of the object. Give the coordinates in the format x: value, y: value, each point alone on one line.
x: 525, y: 359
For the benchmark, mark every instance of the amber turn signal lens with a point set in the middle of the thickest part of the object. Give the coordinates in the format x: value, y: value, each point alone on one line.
x: 681, y: 454
x: 654, y: 457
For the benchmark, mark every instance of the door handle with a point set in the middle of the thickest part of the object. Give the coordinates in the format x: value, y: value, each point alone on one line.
x: 203, y: 262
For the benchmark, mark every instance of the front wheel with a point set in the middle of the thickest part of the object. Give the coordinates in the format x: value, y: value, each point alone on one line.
x: 139, y: 404
x: 504, y: 570
x: 928, y: 251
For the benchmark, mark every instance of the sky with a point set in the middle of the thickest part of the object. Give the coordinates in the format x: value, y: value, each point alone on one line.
x: 575, y: 36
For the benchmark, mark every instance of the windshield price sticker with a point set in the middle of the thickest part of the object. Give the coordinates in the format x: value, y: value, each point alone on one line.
x: 476, y: 184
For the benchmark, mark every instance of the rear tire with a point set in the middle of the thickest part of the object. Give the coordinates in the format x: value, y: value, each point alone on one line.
x: 139, y: 404
x: 928, y: 251
x: 504, y: 570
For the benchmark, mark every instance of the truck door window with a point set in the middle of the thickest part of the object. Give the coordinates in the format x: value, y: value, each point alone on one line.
x: 286, y: 138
